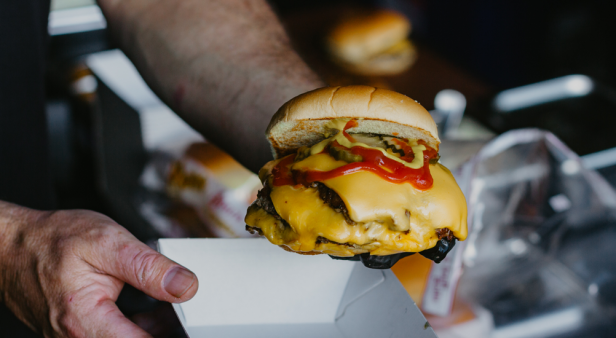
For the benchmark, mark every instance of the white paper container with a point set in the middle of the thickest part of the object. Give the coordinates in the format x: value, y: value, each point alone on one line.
x: 251, y: 288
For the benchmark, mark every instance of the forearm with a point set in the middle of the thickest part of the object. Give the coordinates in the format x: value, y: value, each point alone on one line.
x: 224, y: 66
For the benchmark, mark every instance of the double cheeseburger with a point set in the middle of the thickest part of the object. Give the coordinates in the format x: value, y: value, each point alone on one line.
x: 356, y: 176
x: 373, y: 43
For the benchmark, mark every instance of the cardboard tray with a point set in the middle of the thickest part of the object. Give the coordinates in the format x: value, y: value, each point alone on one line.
x: 251, y: 288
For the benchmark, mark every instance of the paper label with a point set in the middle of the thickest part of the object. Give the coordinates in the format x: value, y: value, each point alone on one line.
x: 442, y: 282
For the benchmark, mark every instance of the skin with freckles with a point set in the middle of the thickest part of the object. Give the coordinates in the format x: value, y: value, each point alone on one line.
x: 225, y: 66
x: 61, y: 272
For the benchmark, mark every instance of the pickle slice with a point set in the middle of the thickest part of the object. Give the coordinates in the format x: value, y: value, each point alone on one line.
x: 341, y: 154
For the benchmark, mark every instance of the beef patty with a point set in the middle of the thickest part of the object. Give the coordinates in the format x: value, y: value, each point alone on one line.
x: 331, y: 198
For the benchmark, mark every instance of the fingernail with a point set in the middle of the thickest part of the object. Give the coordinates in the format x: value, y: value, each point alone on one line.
x: 178, y: 281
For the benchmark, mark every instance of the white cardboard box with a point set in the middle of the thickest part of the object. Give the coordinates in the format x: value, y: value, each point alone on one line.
x: 251, y: 288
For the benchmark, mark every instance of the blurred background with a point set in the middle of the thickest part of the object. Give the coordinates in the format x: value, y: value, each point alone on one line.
x: 483, y: 68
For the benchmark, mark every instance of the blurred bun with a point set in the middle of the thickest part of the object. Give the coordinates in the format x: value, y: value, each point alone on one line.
x: 373, y: 44
x: 394, y: 61
x: 217, y: 189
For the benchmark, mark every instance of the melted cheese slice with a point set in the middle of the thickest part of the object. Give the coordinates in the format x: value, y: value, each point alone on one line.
x: 402, y: 207
x: 390, y: 217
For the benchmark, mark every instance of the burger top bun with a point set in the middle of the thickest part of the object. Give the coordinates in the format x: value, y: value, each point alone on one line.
x: 361, y: 37
x: 303, y: 121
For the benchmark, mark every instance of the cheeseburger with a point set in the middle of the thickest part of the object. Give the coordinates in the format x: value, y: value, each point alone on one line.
x: 356, y: 176
x: 373, y: 43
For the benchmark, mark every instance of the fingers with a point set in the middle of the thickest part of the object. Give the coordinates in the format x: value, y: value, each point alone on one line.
x: 149, y: 271
x: 155, y: 274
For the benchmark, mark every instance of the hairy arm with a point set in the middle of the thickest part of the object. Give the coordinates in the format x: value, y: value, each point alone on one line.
x: 225, y: 66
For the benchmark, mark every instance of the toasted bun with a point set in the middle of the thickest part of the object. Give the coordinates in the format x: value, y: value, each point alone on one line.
x: 303, y: 120
x: 361, y: 37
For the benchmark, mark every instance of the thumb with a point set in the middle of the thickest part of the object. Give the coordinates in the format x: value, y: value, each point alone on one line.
x: 149, y: 271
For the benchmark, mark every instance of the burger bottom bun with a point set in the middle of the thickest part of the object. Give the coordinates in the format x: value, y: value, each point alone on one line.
x: 390, y: 62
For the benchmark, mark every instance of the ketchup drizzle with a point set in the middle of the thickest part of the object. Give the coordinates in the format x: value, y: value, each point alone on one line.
x: 373, y: 161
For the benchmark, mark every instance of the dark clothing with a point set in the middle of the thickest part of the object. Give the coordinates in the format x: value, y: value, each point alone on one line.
x: 25, y: 177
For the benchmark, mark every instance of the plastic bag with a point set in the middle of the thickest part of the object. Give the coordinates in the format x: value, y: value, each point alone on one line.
x: 539, y: 254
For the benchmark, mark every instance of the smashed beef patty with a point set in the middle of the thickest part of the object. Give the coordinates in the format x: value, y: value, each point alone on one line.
x: 328, y: 196
x: 331, y: 198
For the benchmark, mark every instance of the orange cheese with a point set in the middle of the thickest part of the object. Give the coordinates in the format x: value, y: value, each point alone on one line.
x: 390, y: 217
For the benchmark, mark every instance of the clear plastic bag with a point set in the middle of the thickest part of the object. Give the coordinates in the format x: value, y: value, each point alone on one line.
x: 540, y: 253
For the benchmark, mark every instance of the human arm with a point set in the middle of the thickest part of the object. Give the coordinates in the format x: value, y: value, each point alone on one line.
x: 223, y: 66
x: 61, y: 272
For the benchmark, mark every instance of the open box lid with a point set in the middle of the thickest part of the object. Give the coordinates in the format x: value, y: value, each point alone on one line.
x: 251, y: 288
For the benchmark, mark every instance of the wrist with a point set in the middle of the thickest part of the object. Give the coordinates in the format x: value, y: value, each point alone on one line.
x: 13, y: 221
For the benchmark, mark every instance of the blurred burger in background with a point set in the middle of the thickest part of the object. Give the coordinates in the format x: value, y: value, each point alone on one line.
x: 372, y: 43
x: 215, y: 186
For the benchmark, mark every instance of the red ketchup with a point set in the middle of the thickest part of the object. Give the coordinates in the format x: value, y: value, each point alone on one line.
x: 281, y: 172
x: 350, y: 124
x: 373, y: 161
